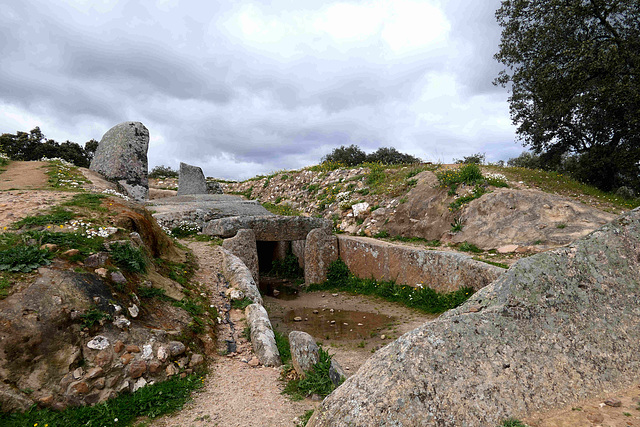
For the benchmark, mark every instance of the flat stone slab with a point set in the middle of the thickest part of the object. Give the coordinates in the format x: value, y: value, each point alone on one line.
x: 269, y: 228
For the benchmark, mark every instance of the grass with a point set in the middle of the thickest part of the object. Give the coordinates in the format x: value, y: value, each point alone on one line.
x: 469, y: 247
x: 284, y: 348
x: 457, y: 225
x: 88, y: 200
x: 416, y: 240
x: 64, y: 241
x: 466, y: 174
x: 128, y: 258
x: 316, y: 380
x: 5, y: 285
x: 241, y: 304
x: 512, y: 422
x: 93, y: 317
x: 477, y: 192
x: 56, y: 216
x: 304, y: 419
x: 285, y: 210
x: 151, y: 401
x: 185, y: 229
x: 424, y: 299
x: 63, y: 176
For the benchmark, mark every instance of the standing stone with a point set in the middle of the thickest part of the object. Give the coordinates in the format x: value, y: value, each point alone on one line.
x: 297, y: 248
x: 321, y: 249
x: 304, y: 352
x: 191, y: 180
x: 243, y: 245
x: 281, y: 250
x: 121, y: 157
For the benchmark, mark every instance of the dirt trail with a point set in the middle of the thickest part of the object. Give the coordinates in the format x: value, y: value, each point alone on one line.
x: 19, y: 196
x: 235, y: 394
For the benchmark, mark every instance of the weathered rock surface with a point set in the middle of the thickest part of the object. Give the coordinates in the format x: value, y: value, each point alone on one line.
x: 304, y: 352
x: 271, y: 228
x: 542, y: 336
x: 239, y: 276
x: 191, y: 180
x: 243, y: 245
x: 214, y: 187
x: 263, y: 340
x: 121, y: 157
x: 321, y: 249
x: 410, y: 265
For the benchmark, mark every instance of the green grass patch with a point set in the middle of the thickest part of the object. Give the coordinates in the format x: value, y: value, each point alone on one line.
x: 91, y: 201
x: 128, y: 258
x: 477, y: 192
x: 185, y: 229
x: 65, y: 176
x: 151, y: 401
x: 469, y: 247
x: 424, y: 299
x: 5, y: 286
x: 282, y: 342
x: 287, y: 267
x: 285, y: 210
x: 216, y: 241
x: 512, y: 422
x: 56, y: 216
x: 376, y: 173
x: 316, y: 381
x: 304, y: 418
x: 65, y: 241
x: 241, y: 304
x: 466, y: 174
x: 150, y: 292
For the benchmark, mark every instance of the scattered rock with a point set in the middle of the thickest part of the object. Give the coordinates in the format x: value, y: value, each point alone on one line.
x: 196, y: 359
x: 360, y: 209
x: 126, y: 358
x: 51, y: 247
x: 99, y: 342
x: 118, y: 277
x: 147, y: 352
x: 96, y: 260
x: 336, y: 373
x: 176, y: 348
x: 80, y: 387
x: 254, y: 362
x: 99, y: 383
x: 121, y: 322
x: 95, y: 372
x: 163, y: 353
x: 297, y: 319
x: 134, y: 311
x: 102, y: 272
x: 171, y: 370
x: 616, y: 403
x: 132, y: 348
x: 71, y: 252
x: 141, y: 382
x: 154, y: 366
x: 137, y: 368
x: 507, y: 249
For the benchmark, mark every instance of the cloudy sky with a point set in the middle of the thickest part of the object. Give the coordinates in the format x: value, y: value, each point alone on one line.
x: 243, y: 88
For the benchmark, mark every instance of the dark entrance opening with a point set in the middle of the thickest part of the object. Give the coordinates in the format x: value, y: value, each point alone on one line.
x: 272, y: 281
x: 266, y: 255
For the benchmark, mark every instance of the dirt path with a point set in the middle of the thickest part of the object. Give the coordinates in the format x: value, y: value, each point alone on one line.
x: 18, y: 195
x: 236, y: 394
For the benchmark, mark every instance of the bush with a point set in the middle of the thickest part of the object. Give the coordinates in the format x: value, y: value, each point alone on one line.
x: 163, y: 172
x: 391, y: 156
x: 347, y: 156
x: 316, y: 381
x: 475, y: 159
x: 467, y: 174
x: 525, y: 160
x: 128, y: 258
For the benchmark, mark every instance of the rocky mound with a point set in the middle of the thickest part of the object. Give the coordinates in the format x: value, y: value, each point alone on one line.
x: 541, y: 336
x: 409, y: 202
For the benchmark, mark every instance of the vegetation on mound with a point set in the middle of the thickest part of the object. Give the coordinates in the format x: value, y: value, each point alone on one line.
x: 128, y: 257
x: 64, y: 175
x: 151, y: 401
x: 512, y: 422
x: 285, y: 210
x: 163, y: 171
x: 421, y: 297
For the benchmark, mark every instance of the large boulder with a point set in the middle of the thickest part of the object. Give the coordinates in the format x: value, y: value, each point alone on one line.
x: 243, y: 245
x: 121, y: 157
x: 557, y: 328
x: 191, y: 180
x: 321, y: 249
x: 304, y: 352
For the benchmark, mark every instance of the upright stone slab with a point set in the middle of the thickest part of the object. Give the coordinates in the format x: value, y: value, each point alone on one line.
x: 243, y: 245
x: 263, y: 340
x: 304, y: 352
x: 321, y: 249
x: 191, y: 180
x: 297, y: 248
x: 214, y: 187
x: 557, y: 328
x: 121, y: 157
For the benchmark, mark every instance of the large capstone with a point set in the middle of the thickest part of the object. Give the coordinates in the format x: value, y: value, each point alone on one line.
x: 191, y: 180
x: 556, y: 328
x: 269, y: 228
x: 121, y: 157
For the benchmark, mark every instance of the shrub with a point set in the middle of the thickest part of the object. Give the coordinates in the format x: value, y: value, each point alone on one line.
x: 128, y: 258
x: 477, y: 159
x: 390, y: 156
x: 525, y: 160
x: 316, y: 381
x: 457, y: 225
x: 469, y: 247
x: 163, y: 172
x: 185, y: 229
x: 466, y: 174
x: 347, y: 156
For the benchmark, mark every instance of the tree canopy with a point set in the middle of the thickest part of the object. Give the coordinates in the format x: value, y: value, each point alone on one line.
x: 353, y: 155
x: 573, y: 67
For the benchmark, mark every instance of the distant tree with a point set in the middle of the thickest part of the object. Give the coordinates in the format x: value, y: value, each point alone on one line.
x: 573, y: 67
x: 477, y: 159
x: 34, y: 146
x: 391, y: 156
x: 527, y: 160
x: 90, y: 148
x: 163, y: 172
x: 348, y: 156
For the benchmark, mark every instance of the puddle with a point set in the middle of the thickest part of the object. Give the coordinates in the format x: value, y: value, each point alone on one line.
x: 278, y: 288
x: 337, y: 324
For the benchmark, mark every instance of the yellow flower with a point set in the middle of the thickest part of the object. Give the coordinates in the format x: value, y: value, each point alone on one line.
x: 48, y: 226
